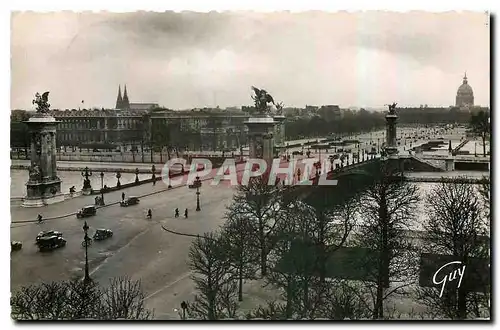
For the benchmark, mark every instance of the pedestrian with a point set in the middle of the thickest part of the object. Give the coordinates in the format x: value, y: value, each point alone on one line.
x: 39, y: 218
x: 176, y: 212
x: 123, y: 196
x: 150, y: 214
x: 186, y: 213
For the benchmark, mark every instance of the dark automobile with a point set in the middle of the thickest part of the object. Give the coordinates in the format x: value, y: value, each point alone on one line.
x: 86, y: 211
x: 48, y: 233
x: 48, y: 243
x: 101, y: 234
x: 15, y: 245
x: 130, y: 201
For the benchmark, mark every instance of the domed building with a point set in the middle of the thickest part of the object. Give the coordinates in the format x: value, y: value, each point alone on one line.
x: 465, y: 95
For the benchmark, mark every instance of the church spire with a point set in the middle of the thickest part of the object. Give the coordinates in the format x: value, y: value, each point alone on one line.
x: 126, y: 104
x: 119, y: 100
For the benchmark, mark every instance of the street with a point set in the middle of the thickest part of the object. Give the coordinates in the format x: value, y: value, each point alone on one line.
x: 139, y: 247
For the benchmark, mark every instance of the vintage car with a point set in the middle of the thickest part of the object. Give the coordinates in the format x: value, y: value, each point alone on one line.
x: 130, y: 201
x: 16, y: 245
x: 101, y: 234
x: 48, y: 243
x: 86, y: 211
x: 48, y: 233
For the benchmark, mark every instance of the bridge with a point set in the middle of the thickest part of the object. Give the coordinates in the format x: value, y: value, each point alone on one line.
x: 358, y: 175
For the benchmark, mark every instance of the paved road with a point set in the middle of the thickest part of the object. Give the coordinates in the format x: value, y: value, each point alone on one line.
x: 139, y: 247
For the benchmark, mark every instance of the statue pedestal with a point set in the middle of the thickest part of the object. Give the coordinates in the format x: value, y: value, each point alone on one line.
x: 43, y: 193
x: 43, y: 186
x: 279, y: 136
x: 391, y: 145
x: 261, y: 138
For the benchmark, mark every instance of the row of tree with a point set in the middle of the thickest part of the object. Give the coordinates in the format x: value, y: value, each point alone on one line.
x: 349, y: 259
x: 75, y: 299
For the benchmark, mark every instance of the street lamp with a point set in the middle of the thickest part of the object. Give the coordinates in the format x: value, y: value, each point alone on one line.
x: 197, y: 183
x: 102, y: 187
x: 86, y: 173
x: 136, y: 175
x: 86, y: 240
x: 153, y: 176
x: 475, y: 150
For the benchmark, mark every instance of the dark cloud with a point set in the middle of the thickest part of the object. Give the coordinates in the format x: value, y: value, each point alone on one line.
x: 192, y: 59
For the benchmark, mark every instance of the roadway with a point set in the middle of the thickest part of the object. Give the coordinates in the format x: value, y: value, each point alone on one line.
x: 139, y: 247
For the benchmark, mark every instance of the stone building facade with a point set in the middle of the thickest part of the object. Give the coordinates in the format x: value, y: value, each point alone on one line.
x: 124, y: 129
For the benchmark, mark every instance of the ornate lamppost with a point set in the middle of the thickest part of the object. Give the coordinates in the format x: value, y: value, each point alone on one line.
x: 197, y: 183
x: 102, y: 187
x: 118, y: 176
x: 136, y: 175
x: 153, y: 170
x: 86, y: 244
x: 86, y: 173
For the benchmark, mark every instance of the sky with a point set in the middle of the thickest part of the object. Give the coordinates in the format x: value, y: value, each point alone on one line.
x: 187, y: 60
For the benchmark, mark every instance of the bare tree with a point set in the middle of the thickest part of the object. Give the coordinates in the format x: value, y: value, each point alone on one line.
x: 74, y: 299
x: 83, y: 299
x: 458, y: 227
x: 242, y: 253
x: 272, y: 311
x: 484, y: 190
x: 480, y: 124
x: 259, y: 203
x: 387, y: 213
x: 342, y: 301
x: 209, y: 260
x: 124, y: 299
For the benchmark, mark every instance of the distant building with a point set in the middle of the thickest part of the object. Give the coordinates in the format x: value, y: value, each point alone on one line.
x: 330, y: 112
x: 465, y: 95
x: 124, y: 103
x: 207, y: 129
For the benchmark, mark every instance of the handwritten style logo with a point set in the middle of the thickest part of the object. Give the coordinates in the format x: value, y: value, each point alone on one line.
x: 452, y: 276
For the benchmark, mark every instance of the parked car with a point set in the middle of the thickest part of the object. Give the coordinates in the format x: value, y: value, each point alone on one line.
x: 15, y: 245
x: 101, y: 234
x: 48, y: 243
x: 48, y: 233
x: 130, y: 201
x: 86, y: 211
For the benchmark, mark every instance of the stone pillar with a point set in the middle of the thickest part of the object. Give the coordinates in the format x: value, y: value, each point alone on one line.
x: 43, y: 186
x: 279, y: 136
x: 261, y: 138
x: 391, y: 144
